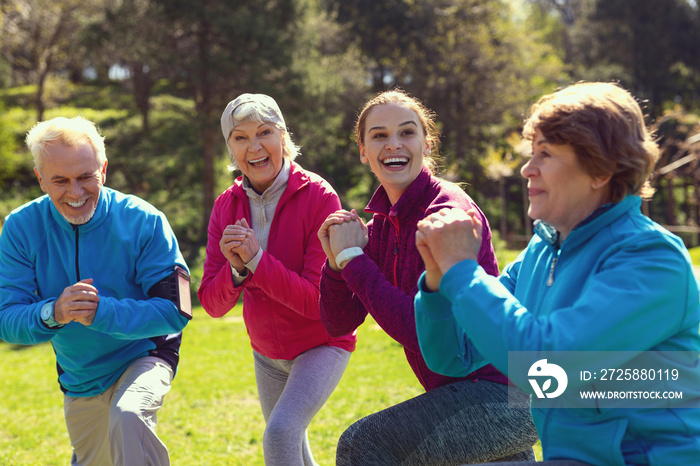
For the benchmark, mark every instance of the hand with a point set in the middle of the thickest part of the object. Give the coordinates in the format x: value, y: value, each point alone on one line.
x: 433, y: 275
x: 348, y: 234
x: 249, y: 246
x: 451, y: 235
x: 77, y: 303
x: 236, y: 244
x: 331, y: 237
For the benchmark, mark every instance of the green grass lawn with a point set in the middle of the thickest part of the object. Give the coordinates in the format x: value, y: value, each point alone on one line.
x: 211, y: 416
x: 695, y: 255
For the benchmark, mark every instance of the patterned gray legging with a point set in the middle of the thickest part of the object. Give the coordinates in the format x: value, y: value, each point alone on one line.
x: 460, y: 423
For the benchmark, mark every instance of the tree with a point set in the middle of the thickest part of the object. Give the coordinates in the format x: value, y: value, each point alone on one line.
x: 480, y: 70
x: 647, y: 39
x: 330, y: 84
x: 473, y: 62
x: 38, y: 39
x: 220, y: 49
x: 678, y: 134
x: 650, y: 47
x: 386, y: 31
x: 120, y: 38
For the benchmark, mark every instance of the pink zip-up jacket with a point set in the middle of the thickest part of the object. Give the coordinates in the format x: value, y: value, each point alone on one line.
x: 384, y: 280
x: 280, y: 303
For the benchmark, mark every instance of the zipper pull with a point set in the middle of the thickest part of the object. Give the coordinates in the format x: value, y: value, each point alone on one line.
x: 550, y: 280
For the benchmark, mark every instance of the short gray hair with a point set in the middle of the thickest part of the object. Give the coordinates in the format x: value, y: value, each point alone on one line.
x: 259, y: 108
x: 70, y: 132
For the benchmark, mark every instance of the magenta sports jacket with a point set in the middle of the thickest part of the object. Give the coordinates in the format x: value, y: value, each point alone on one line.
x: 384, y: 280
x: 280, y: 303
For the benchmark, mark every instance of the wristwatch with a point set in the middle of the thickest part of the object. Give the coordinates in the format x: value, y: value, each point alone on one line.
x: 47, y: 316
x: 346, y: 255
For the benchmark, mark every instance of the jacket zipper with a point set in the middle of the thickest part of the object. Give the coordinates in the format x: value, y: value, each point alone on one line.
x: 395, y: 222
x: 396, y: 251
x: 77, y: 246
x: 555, y: 261
x: 550, y: 280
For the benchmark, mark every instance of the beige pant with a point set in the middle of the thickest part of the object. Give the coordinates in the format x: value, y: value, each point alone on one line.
x: 118, y: 426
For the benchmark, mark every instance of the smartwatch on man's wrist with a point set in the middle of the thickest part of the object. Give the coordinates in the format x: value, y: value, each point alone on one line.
x: 47, y: 316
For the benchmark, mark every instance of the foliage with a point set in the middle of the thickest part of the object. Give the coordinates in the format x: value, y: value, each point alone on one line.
x: 38, y: 39
x: 650, y: 59
x: 695, y: 255
x: 677, y: 174
x: 328, y: 86
x: 650, y: 47
x: 161, y: 168
x: 504, y: 255
x: 17, y: 181
x: 478, y: 64
x: 473, y: 62
x: 10, y: 161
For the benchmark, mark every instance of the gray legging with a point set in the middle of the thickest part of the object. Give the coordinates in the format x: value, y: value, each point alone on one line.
x: 460, y: 423
x: 291, y: 393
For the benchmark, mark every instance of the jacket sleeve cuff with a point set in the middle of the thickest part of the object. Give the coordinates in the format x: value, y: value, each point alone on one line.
x: 431, y: 303
x: 455, y: 279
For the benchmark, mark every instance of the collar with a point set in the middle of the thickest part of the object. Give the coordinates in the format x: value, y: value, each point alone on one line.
x: 275, y: 188
x: 593, y: 223
x: 99, y: 216
x: 380, y: 202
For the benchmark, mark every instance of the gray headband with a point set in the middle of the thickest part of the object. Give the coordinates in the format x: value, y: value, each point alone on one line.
x: 263, y: 104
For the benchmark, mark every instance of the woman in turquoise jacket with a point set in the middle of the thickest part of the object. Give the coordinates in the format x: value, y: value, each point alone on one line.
x: 601, y: 304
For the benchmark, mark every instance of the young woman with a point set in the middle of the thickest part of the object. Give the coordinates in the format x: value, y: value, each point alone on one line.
x: 374, y: 269
x: 263, y: 241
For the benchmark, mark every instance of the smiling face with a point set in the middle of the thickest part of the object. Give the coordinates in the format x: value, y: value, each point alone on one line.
x: 73, y: 179
x: 257, y: 148
x: 394, y: 147
x: 561, y: 192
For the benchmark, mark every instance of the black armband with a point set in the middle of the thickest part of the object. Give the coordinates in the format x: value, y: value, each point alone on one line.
x: 175, y: 288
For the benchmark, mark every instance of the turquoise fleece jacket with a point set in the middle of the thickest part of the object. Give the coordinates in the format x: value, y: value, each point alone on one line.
x: 126, y: 248
x: 618, y: 282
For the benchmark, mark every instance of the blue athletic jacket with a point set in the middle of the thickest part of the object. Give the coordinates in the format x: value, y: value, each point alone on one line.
x: 127, y: 247
x: 618, y: 282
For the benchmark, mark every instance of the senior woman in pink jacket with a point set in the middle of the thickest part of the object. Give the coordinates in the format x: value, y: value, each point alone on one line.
x: 263, y: 240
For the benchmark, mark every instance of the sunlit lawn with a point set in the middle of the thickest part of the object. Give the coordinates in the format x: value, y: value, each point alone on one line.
x: 211, y: 416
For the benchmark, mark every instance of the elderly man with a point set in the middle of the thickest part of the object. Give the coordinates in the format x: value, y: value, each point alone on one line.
x: 100, y: 275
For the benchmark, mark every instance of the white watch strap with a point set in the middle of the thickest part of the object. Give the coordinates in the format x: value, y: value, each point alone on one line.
x: 347, y: 254
x: 47, y: 315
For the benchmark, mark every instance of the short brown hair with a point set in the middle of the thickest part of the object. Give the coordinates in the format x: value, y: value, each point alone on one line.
x: 605, y: 126
x: 425, y: 116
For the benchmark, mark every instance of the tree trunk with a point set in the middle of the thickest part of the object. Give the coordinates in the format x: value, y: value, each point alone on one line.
x: 504, y: 208
x: 142, y: 93
x: 204, y: 105
x: 39, y: 97
x: 670, y: 202
x: 210, y: 140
